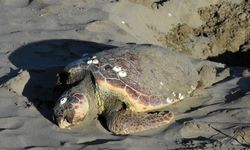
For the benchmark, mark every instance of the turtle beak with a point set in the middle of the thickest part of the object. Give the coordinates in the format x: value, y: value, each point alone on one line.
x: 63, y: 117
x: 64, y: 124
x: 66, y: 120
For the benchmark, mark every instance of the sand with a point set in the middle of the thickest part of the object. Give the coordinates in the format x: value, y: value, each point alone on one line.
x: 39, y: 37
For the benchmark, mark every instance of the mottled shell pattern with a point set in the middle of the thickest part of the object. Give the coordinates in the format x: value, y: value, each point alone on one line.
x: 146, y: 77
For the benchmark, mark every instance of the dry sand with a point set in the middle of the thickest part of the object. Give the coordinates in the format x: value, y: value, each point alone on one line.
x: 39, y: 37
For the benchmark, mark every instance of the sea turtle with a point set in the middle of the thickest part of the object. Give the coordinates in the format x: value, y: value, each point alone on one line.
x: 129, y: 86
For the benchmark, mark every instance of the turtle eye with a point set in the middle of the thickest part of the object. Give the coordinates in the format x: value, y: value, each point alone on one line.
x: 63, y: 100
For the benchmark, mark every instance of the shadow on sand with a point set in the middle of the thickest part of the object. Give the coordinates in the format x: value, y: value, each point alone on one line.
x: 43, y: 60
x: 239, y: 91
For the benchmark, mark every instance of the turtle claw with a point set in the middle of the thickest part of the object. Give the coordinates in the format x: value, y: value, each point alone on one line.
x: 127, y: 122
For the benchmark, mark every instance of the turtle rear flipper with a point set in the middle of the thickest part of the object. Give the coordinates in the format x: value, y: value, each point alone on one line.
x: 127, y: 122
x: 209, y: 76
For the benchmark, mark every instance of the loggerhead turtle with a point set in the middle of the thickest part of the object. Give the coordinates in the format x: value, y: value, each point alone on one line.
x: 129, y: 86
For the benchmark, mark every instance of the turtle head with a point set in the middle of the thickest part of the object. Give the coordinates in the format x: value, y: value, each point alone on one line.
x: 73, y: 106
x: 70, y: 109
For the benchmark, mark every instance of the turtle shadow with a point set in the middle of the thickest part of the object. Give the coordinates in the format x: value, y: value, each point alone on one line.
x: 242, y: 89
x: 43, y: 60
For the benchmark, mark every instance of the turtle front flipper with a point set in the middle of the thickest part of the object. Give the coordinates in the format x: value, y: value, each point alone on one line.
x: 127, y: 122
x: 73, y: 72
x: 70, y: 76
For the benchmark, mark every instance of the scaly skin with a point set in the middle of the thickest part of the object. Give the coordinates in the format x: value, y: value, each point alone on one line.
x: 127, y: 122
x: 207, y: 76
x: 123, y: 121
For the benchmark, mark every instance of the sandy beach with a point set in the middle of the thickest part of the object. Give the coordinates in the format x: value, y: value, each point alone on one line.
x: 38, y: 38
